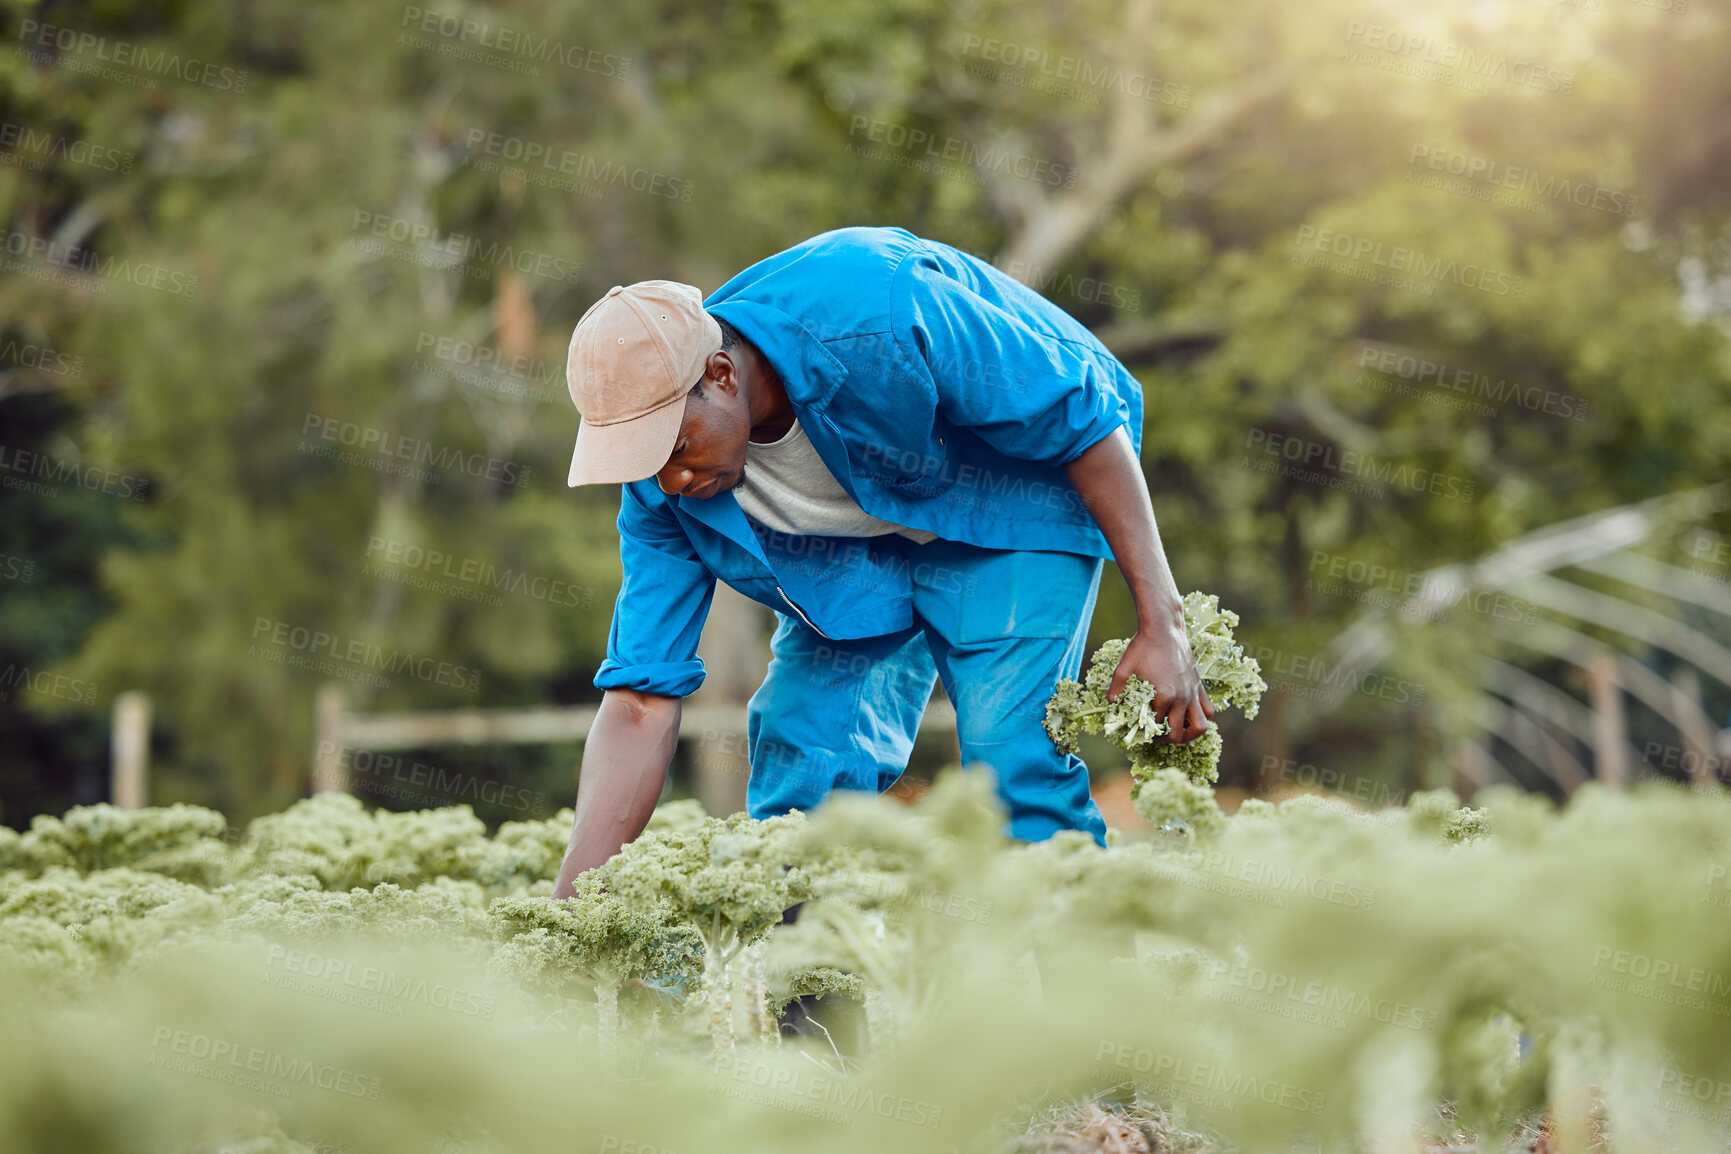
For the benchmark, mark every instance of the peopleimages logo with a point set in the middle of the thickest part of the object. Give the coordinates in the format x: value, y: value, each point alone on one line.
x: 802, y: 1091
x: 936, y: 471
x: 306, y: 647
x: 41, y: 41
x: 580, y: 166
x: 1288, y: 880
x: 1359, y: 788
x: 24, y: 355
x: 1442, y: 376
x: 392, y: 447
x: 45, y: 684
x: 1366, y: 467
x: 1410, y: 48
x: 25, y: 463
x: 895, y: 888
x: 1415, y: 595
x: 1226, y: 1087
x: 491, y: 370
x: 938, y: 149
x: 1690, y: 761
x: 249, y: 1065
x: 510, y: 42
x: 613, y: 1144
x: 1090, y: 290
x: 1281, y: 993
x: 467, y: 353
x: 1495, y: 173
x: 30, y: 146
x: 1330, y: 682
x: 850, y: 561
x: 374, y: 980
x: 474, y: 571
x: 394, y: 775
x: 1661, y: 979
x: 1051, y: 66
x: 78, y: 259
x: 423, y: 245
x: 1397, y: 259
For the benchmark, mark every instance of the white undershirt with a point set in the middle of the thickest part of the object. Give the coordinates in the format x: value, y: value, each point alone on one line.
x: 788, y: 488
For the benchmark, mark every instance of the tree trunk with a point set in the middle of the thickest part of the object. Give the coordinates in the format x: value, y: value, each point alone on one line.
x: 1134, y: 147
x: 1274, y: 727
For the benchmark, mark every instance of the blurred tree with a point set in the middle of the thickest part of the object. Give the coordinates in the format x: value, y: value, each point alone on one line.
x: 397, y: 217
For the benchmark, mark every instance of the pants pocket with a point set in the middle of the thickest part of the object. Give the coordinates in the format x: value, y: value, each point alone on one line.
x: 1021, y: 594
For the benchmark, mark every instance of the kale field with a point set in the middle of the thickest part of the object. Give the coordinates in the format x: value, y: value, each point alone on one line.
x: 1293, y: 977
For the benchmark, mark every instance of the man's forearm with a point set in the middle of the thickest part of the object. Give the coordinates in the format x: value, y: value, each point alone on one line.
x: 1108, y: 476
x: 625, y: 760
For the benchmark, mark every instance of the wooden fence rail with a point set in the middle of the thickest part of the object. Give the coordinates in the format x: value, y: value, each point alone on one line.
x: 340, y: 731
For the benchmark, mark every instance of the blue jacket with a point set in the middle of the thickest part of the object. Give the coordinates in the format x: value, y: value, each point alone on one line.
x: 941, y: 393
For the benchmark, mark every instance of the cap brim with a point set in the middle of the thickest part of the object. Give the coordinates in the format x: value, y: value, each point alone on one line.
x: 633, y: 450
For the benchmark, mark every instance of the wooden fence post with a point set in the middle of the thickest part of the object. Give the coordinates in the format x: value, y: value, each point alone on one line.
x: 1610, y: 734
x: 1697, y: 738
x: 129, y: 763
x: 1472, y: 769
x: 330, y: 711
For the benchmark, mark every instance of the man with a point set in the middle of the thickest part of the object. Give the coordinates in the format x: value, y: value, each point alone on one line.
x: 919, y: 464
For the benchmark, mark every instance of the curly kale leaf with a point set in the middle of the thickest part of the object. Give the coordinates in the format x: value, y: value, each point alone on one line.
x: 1199, y: 759
x: 597, y: 933
x: 1081, y: 707
x: 1170, y: 799
x: 1231, y: 677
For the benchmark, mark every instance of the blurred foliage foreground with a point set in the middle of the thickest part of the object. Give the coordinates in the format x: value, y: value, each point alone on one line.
x: 1284, y: 978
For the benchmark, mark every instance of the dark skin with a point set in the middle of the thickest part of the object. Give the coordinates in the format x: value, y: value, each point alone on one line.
x: 742, y: 399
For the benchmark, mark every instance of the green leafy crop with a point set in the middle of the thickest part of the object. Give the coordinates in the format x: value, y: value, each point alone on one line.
x: 1231, y: 677
x: 1330, y: 975
x: 730, y: 880
x: 596, y: 933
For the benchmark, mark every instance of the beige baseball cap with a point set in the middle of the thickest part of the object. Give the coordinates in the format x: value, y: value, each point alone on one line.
x: 633, y: 359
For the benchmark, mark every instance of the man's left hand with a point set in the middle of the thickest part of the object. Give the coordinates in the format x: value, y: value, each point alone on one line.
x: 1162, y: 658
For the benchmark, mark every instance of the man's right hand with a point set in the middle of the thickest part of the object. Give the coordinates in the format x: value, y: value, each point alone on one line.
x: 625, y: 762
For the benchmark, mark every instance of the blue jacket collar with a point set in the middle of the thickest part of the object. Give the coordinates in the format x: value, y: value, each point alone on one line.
x: 723, y: 514
x: 810, y: 373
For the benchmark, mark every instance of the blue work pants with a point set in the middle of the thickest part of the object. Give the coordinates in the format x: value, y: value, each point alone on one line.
x: 998, y: 627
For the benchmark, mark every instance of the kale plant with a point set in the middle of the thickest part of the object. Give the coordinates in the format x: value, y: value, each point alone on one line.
x: 1231, y: 677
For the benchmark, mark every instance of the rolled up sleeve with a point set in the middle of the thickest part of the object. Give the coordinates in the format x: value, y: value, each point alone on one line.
x: 1026, y: 393
x: 662, y: 604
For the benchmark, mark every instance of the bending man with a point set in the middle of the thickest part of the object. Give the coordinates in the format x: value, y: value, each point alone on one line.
x: 920, y: 465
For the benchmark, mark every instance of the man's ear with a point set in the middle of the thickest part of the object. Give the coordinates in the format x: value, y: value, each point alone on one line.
x: 722, y: 372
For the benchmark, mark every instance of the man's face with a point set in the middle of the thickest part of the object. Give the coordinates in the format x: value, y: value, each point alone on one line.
x: 709, y: 454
